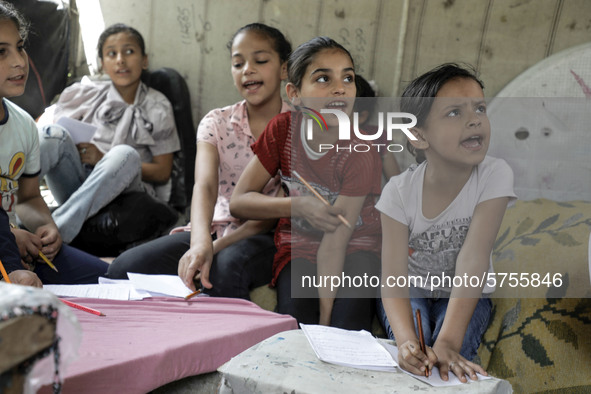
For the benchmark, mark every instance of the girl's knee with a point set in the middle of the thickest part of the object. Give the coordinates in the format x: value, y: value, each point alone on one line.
x: 124, y: 153
x: 124, y: 263
x: 53, y: 135
x: 121, y: 158
x: 117, y: 271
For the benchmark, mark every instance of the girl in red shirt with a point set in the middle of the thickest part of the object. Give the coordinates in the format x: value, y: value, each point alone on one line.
x: 322, y: 268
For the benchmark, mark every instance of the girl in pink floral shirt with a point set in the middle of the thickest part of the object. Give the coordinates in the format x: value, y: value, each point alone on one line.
x: 228, y: 255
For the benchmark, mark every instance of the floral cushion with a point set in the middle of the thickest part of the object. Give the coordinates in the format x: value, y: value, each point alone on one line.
x: 541, y: 340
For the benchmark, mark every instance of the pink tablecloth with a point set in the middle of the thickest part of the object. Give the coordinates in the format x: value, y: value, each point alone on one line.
x: 141, y: 345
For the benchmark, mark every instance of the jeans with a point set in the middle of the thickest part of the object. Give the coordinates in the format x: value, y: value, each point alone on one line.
x: 82, y: 190
x: 74, y: 266
x: 235, y: 270
x: 354, y: 307
x: 432, y: 315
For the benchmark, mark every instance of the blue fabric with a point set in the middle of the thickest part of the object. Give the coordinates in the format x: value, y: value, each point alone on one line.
x: 81, y: 190
x: 354, y: 306
x: 432, y: 314
x: 9, y: 253
x: 235, y: 270
x: 74, y: 266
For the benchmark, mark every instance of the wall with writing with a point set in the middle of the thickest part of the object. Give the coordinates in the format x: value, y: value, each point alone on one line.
x: 392, y: 41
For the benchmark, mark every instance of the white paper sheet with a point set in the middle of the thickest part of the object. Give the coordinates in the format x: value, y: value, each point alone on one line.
x: 79, y: 131
x: 138, y: 287
x: 433, y: 380
x: 166, y: 285
x: 357, y: 349
x: 134, y: 294
x: 108, y: 292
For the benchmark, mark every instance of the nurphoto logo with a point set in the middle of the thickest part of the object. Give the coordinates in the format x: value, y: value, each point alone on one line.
x: 392, y: 122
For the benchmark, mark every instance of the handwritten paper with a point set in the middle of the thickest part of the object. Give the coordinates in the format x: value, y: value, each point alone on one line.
x: 134, y: 294
x: 433, y: 380
x: 357, y: 349
x: 108, y: 292
x: 138, y: 287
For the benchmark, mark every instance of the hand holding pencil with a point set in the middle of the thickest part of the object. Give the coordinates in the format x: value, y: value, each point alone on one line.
x: 340, y: 217
x: 30, y: 244
x: 422, y: 338
x: 21, y: 277
x: 47, y: 261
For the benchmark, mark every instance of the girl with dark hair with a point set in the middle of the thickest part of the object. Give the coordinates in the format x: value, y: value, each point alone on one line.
x: 133, y: 145
x: 440, y: 219
x: 229, y: 256
x: 314, y: 240
x: 19, y: 180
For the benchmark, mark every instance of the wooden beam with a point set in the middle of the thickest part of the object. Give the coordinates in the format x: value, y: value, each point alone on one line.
x: 22, y: 338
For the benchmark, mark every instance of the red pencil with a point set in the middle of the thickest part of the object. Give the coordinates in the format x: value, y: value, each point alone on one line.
x: 83, y: 308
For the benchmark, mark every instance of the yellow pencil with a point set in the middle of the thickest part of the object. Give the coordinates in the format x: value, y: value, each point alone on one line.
x: 193, y: 294
x: 319, y: 196
x: 4, y: 274
x: 49, y: 263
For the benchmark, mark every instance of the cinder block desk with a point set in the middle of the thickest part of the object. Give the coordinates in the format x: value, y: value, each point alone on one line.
x: 285, y: 363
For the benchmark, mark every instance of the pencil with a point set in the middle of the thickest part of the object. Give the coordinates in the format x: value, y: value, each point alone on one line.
x: 47, y: 261
x: 4, y: 274
x: 193, y: 294
x: 422, y: 338
x: 82, y: 308
x: 319, y: 196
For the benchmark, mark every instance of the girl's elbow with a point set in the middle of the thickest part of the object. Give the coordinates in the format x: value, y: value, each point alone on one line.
x: 156, y: 178
x: 236, y: 208
x: 161, y: 174
x: 162, y: 178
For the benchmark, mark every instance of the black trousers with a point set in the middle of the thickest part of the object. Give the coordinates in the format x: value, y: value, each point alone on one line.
x: 235, y: 270
x: 354, y: 306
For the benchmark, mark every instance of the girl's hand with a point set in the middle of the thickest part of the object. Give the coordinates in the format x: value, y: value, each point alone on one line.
x: 28, y: 244
x: 25, y: 278
x: 51, y: 240
x: 89, y: 153
x: 321, y: 216
x: 412, y: 359
x: 196, y: 261
x: 450, y: 360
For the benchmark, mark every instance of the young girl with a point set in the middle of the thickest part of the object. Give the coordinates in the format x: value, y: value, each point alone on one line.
x: 441, y: 218
x: 231, y: 256
x: 311, y: 239
x: 134, y: 141
x: 19, y: 178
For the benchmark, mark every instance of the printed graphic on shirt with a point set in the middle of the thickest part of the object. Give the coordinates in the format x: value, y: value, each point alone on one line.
x: 9, y: 180
x: 436, y: 249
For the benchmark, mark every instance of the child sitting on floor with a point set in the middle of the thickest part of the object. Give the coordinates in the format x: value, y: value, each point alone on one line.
x: 132, y: 147
x: 19, y: 175
x: 312, y: 238
x: 228, y: 255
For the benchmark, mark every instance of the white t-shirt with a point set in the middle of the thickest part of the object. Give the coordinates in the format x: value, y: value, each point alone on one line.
x: 434, y: 244
x: 19, y: 153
